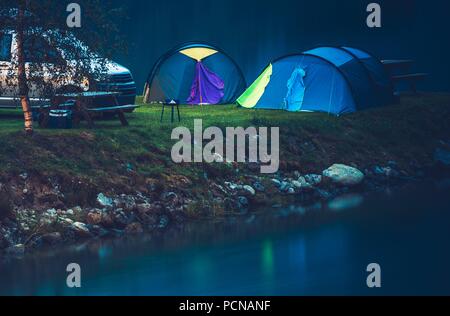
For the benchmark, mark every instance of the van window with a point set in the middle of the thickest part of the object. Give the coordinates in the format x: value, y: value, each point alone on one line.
x: 5, y: 47
x: 37, y: 50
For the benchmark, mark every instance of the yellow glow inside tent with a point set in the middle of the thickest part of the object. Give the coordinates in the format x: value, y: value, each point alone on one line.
x: 198, y: 53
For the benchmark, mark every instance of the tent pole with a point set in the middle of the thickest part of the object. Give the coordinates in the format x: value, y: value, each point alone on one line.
x: 200, y: 89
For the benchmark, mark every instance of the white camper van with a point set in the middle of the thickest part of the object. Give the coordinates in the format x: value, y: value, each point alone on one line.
x: 118, y: 78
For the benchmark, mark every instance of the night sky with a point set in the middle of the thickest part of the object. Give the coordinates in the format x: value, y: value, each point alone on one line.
x: 254, y: 32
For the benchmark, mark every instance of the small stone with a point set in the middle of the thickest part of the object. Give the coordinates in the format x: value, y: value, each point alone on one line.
x: 259, y: 187
x: 170, y: 196
x: 276, y: 182
x: 51, y: 212
x: 120, y: 218
x: 52, y: 238
x: 301, y: 183
x: 291, y: 191
x: 67, y: 221
x: 385, y: 171
x: 249, y: 189
x: 134, y: 228
x: 313, y: 179
x: 81, y: 229
x: 284, y: 186
x: 16, y: 250
x: 242, y: 202
x: 104, y: 201
x: 233, y: 186
x: 94, y: 218
x: 296, y: 184
x: 163, y: 222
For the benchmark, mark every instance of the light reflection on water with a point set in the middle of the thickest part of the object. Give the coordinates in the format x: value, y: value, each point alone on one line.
x: 279, y: 252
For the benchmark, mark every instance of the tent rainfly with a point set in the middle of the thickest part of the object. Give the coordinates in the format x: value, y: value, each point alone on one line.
x: 325, y: 79
x: 195, y: 74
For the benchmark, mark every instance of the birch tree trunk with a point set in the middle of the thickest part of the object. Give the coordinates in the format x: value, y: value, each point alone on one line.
x: 21, y: 70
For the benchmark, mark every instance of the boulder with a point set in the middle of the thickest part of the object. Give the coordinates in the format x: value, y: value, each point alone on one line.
x: 344, y: 175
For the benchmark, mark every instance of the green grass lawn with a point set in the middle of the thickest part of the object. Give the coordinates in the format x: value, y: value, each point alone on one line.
x: 310, y: 142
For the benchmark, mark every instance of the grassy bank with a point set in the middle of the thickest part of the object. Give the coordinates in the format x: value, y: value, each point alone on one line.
x: 111, y: 158
x: 50, y: 183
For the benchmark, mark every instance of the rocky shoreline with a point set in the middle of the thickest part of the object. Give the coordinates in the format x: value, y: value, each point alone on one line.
x: 27, y: 229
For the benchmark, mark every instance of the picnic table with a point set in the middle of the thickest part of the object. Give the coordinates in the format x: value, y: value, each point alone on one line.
x: 400, y: 72
x: 84, y: 107
x: 395, y: 64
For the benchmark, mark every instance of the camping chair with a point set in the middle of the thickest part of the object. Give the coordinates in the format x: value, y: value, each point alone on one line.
x: 173, y: 104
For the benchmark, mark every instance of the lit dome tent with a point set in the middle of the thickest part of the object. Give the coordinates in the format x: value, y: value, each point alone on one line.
x: 195, y: 74
x: 325, y: 79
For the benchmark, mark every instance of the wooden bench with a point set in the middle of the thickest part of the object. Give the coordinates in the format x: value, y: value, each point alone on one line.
x: 397, y: 64
x: 119, y: 110
x: 411, y: 79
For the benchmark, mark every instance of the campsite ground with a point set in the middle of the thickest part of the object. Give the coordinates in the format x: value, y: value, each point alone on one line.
x: 50, y: 183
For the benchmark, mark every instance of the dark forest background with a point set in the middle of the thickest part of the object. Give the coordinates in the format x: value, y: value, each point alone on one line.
x: 254, y: 32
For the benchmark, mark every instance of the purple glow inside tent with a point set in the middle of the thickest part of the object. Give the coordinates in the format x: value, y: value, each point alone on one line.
x: 207, y: 88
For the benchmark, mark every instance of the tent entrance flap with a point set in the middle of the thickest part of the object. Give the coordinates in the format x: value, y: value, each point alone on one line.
x: 296, y: 90
x: 253, y: 94
x: 207, y: 88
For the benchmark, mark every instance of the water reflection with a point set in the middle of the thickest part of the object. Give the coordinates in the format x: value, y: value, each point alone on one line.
x: 291, y: 251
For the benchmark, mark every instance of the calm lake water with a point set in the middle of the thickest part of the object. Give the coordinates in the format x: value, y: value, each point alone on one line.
x: 290, y: 251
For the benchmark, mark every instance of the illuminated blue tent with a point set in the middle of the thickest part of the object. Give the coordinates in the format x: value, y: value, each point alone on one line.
x: 195, y: 73
x: 325, y: 79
